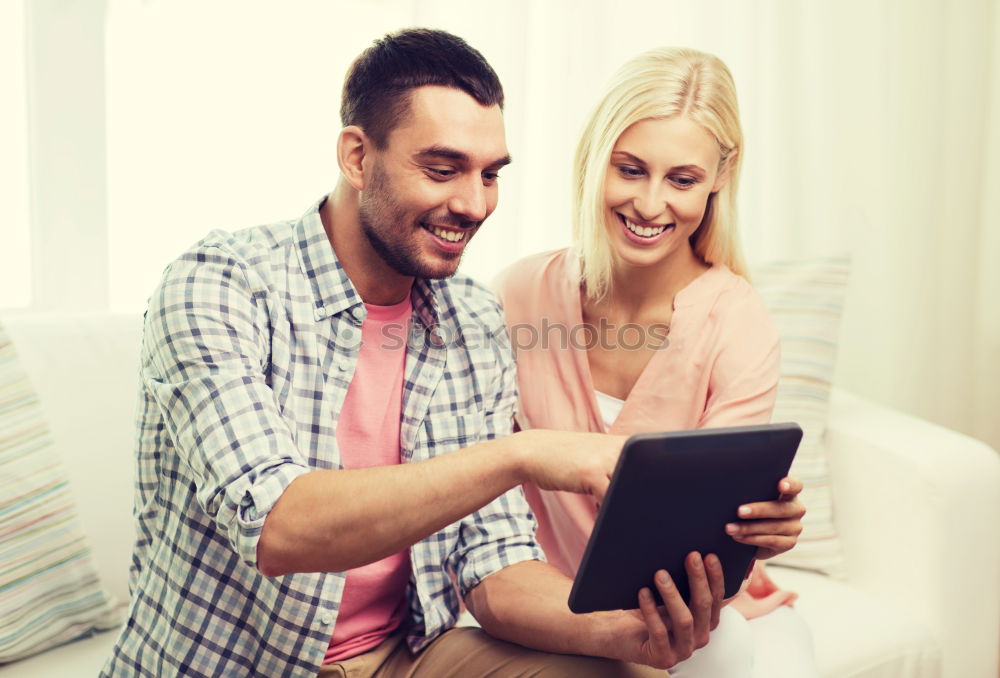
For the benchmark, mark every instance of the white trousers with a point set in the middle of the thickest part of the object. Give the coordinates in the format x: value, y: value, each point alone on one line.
x: 776, y: 645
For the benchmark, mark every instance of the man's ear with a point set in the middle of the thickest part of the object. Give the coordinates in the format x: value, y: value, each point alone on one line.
x: 352, y: 146
x: 727, y: 167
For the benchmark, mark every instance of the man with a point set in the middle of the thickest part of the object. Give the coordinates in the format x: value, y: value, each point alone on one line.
x: 308, y: 486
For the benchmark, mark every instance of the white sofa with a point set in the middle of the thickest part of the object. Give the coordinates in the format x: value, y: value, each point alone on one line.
x: 918, y: 508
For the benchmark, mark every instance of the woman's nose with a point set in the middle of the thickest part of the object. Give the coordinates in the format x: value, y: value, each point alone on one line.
x: 650, y: 204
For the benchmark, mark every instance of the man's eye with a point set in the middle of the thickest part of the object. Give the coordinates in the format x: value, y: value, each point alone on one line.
x: 491, y: 176
x: 440, y: 173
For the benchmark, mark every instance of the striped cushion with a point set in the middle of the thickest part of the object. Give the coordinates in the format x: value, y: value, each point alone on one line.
x: 805, y: 299
x: 49, y: 590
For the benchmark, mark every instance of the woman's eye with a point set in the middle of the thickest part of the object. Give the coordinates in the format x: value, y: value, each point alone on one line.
x: 630, y: 172
x: 684, y: 182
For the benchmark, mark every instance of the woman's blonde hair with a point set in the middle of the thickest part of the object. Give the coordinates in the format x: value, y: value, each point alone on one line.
x: 661, y: 83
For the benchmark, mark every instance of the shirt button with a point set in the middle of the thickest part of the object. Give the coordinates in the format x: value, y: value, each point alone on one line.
x: 343, y: 365
x: 358, y: 312
x: 327, y: 619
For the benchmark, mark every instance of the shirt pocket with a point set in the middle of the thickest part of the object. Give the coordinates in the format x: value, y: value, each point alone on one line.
x: 448, y: 431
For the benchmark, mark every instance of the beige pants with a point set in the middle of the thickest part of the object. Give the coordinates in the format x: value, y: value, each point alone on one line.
x: 472, y: 653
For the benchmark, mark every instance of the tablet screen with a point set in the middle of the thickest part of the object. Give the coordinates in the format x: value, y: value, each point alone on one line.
x: 671, y: 494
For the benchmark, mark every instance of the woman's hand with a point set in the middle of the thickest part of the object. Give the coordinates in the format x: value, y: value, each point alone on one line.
x: 772, y: 526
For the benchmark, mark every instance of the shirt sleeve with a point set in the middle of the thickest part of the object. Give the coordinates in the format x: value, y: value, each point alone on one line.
x: 501, y: 533
x: 204, y: 353
x: 744, y: 377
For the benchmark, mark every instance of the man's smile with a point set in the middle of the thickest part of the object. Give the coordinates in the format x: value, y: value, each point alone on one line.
x: 450, y: 234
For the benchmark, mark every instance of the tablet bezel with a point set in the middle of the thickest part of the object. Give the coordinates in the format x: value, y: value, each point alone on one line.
x: 703, y: 475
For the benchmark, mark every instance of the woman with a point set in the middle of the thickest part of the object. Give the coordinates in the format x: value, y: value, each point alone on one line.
x: 649, y: 322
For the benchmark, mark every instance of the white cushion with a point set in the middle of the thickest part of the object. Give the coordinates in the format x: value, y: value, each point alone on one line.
x: 855, y: 634
x: 85, y: 368
x: 49, y: 588
x: 83, y: 658
x: 858, y: 635
x: 805, y: 299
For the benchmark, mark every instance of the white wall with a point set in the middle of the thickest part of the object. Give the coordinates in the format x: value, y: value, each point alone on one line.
x: 871, y: 129
x: 985, y: 394
x: 66, y: 109
x: 15, y: 243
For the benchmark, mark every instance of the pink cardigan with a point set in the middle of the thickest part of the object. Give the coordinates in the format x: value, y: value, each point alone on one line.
x: 719, y: 368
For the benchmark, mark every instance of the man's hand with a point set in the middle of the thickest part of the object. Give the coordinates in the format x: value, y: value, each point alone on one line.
x: 662, y: 636
x: 772, y: 526
x: 569, y: 461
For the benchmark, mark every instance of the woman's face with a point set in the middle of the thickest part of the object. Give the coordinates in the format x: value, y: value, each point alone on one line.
x: 657, y: 188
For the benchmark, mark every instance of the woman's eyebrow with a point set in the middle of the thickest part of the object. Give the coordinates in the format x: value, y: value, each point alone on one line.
x: 695, y: 169
x: 633, y: 158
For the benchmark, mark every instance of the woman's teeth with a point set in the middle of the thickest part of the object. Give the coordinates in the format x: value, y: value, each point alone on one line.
x: 450, y: 236
x: 644, y: 231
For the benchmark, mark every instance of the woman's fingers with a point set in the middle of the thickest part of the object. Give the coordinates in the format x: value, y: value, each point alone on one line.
x: 789, y: 487
x: 778, y: 509
x: 785, y: 528
x: 768, y: 546
x: 771, y: 536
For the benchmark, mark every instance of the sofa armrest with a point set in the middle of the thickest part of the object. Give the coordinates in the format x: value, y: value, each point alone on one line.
x: 917, y: 507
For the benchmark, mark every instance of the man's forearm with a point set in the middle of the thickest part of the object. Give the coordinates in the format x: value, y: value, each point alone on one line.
x: 330, y: 521
x: 527, y: 604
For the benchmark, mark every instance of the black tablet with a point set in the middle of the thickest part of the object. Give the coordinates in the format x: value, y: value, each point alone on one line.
x: 671, y: 494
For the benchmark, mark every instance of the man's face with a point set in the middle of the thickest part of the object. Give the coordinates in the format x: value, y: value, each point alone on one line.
x: 429, y: 190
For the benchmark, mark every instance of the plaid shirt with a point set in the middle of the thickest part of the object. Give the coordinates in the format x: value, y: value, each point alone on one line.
x: 249, y: 345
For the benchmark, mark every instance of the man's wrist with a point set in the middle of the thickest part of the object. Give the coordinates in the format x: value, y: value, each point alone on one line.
x: 516, y: 454
x: 602, y: 634
x: 508, y: 457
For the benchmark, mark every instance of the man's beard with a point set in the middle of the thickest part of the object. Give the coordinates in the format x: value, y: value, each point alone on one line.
x: 385, y: 226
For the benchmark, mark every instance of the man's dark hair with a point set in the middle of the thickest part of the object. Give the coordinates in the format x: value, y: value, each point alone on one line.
x: 377, y: 88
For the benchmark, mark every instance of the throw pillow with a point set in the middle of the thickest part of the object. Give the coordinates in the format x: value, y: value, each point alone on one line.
x: 49, y: 590
x: 805, y: 299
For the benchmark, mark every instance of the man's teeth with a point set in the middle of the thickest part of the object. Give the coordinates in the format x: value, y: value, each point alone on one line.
x: 450, y: 236
x: 645, y: 231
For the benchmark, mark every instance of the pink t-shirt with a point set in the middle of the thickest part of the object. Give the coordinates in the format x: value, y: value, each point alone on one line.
x: 374, y: 599
x: 719, y: 368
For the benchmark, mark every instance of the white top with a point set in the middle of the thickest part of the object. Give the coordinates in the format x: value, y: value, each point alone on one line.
x: 610, y: 406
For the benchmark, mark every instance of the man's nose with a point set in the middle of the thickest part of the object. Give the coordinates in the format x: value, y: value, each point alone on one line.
x: 470, y: 200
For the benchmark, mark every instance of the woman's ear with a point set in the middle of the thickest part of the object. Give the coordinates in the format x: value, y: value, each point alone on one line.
x: 727, y: 167
x: 352, y: 145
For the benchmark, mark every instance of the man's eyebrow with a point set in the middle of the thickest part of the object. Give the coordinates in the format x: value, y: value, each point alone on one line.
x: 446, y: 153
x: 500, y: 162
